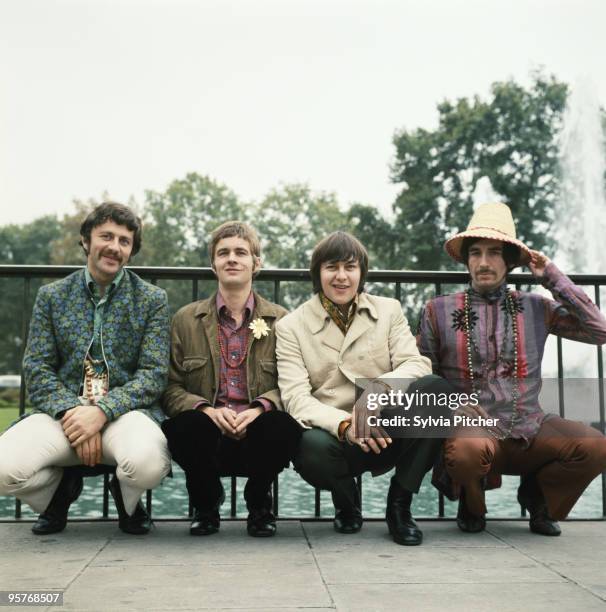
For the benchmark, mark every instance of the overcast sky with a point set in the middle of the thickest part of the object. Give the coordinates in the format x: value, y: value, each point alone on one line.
x: 123, y: 96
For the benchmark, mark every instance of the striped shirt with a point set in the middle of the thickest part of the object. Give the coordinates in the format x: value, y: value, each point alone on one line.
x: 442, y: 337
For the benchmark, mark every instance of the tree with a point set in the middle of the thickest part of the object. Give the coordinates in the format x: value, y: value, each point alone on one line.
x: 65, y: 248
x: 511, y: 139
x: 27, y: 244
x: 182, y: 218
x: 376, y: 233
x: 291, y: 220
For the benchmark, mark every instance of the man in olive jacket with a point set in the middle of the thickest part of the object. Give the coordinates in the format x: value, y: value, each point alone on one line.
x: 222, y: 395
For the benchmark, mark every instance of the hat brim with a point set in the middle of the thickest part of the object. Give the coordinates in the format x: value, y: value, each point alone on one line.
x: 453, y: 245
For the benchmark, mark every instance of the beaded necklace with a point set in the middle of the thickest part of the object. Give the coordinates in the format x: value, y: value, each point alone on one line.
x: 509, y: 312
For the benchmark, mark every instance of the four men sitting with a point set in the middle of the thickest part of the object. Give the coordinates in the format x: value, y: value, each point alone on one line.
x: 251, y: 388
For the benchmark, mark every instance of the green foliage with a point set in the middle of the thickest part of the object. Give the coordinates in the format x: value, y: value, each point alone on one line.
x: 290, y: 221
x: 181, y: 219
x: 7, y: 416
x: 29, y: 243
x: 511, y: 139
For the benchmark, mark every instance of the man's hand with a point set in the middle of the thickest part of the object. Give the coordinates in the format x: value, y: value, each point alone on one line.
x: 90, y: 451
x: 375, y: 440
x: 224, y: 418
x: 82, y: 422
x: 538, y: 262
x: 368, y: 438
x: 245, y: 418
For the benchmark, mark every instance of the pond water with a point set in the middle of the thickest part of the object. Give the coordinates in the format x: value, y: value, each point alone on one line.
x: 296, y: 499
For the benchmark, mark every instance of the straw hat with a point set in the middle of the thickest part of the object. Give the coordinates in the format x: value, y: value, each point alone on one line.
x: 491, y: 221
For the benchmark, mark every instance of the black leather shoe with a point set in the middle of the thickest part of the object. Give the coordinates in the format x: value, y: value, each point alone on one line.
x: 467, y: 522
x: 261, y: 523
x: 54, y: 518
x: 402, y: 526
x: 531, y: 498
x: 137, y: 523
x: 205, y: 522
x: 348, y: 521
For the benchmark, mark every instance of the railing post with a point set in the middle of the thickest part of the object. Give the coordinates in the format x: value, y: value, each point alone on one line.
x: 601, y: 398
x: 560, y: 377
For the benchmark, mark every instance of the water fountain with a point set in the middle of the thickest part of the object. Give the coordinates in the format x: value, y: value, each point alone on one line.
x: 484, y: 192
x: 581, y: 211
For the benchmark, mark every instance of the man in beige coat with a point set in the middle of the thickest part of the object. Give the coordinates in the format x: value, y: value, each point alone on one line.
x: 342, y: 334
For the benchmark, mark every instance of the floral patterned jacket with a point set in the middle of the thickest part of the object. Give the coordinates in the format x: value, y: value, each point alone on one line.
x: 135, y: 338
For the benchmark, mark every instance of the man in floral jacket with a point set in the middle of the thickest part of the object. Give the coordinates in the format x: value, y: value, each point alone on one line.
x: 95, y: 366
x: 222, y: 392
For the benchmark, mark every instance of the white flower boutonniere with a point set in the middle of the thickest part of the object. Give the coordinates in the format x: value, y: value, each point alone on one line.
x: 259, y: 328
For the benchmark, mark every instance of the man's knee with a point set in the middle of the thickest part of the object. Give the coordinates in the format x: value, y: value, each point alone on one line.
x: 190, y: 430
x: 276, y: 427
x: 318, y: 452
x: 12, y: 475
x: 593, y: 451
x: 146, y: 466
x: 431, y: 383
x: 468, y: 457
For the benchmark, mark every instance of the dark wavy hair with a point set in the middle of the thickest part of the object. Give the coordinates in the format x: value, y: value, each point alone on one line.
x: 338, y: 246
x: 511, y: 253
x: 119, y: 214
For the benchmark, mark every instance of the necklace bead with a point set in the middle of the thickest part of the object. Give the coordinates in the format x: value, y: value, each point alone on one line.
x: 510, y: 311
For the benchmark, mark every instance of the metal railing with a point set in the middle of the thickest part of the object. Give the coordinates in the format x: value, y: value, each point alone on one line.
x: 394, y: 278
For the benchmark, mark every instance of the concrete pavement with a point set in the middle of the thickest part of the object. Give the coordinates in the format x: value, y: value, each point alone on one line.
x: 308, y: 565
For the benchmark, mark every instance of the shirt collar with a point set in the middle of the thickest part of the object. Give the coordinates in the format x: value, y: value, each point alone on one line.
x: 223, y: 310
x: 490, y: 296
x: 93, y: 285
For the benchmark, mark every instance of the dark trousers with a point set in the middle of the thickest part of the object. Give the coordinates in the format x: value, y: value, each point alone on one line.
x: 563, y: 458
x: 205, y: 455
x: 325, y: 462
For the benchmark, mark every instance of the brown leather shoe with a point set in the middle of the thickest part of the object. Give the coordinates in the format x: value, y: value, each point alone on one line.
x: 466, y: 521
x: 531, y: 497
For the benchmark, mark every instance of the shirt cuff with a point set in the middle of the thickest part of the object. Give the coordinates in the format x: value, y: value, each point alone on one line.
x: 343, y: 425
x: 263, y: 402
x: 201, y: 404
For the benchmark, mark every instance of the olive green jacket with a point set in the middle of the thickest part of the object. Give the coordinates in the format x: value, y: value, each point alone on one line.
x: 195, y: 354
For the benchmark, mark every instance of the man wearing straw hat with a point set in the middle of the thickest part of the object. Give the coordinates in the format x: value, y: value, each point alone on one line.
x: 489, y: 340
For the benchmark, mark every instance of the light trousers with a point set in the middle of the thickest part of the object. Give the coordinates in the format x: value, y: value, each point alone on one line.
x: 34, y: 451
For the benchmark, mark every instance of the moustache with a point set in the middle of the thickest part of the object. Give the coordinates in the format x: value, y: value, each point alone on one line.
x: 110, y: 256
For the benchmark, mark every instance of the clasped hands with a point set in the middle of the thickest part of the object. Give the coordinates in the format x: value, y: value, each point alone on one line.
x: 231, y: 423
x: 368, y: 438
x: 82, y: 426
